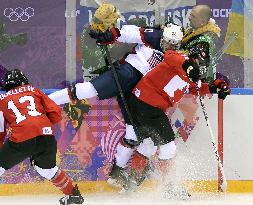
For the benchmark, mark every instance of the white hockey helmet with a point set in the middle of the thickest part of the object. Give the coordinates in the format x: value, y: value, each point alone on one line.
x: 172, y: 35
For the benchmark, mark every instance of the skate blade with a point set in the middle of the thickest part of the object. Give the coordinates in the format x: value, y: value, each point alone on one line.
x: 123, y: 191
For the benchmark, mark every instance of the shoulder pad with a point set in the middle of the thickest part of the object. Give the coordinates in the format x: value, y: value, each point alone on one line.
x: 152, y: 37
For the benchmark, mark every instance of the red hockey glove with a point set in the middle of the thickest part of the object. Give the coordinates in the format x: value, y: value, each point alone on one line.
x: 220, y: 87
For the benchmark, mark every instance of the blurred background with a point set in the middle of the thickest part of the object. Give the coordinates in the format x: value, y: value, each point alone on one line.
x: 48, y: 40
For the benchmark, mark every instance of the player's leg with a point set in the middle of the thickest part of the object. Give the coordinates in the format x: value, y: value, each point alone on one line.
x: 124, y: 152
x: 128, y: 77
x: 103, y: 86
x: 44, y: 162
x: 14, y: 153
x: 164, y: 138
x: 166, y: 164
x: 106, y: 86
x: 140, y: 163
x: 153, y: 123
x: 167, y: 146
x: 83, y: 90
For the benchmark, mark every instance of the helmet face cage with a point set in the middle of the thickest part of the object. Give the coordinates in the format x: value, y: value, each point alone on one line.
x: 14, y: 78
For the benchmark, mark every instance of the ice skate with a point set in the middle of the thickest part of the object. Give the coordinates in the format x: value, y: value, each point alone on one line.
x: 118, y: 177
x: 74, y: 198
x: 135, y: 179
x: 132, y: 183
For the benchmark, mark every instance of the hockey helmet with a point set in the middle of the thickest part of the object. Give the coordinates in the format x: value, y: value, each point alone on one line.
x: 105, y: 17
x: 14, y: 78
x: 172, y: 35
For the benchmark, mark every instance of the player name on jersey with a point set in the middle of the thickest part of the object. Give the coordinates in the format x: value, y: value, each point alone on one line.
x: 16, y: 91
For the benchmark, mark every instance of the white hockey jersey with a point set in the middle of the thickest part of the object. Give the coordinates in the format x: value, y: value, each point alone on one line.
x: 148, y: 53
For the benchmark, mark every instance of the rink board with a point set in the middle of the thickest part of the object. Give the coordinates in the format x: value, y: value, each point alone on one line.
x: 195, y: 161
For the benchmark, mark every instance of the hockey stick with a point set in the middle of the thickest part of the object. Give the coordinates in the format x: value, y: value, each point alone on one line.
x: 220, y: 52
x: 217, y: 57
x: 116, y: 78
x: 224, y: 181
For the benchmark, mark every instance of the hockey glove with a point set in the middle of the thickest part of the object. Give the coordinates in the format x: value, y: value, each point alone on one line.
x: 192, y: 70
x: 220, y: 87
x: 107, y: 37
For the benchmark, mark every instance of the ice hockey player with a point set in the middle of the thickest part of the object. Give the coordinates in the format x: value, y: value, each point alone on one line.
x: 31, y: 115
x: 160, y: 88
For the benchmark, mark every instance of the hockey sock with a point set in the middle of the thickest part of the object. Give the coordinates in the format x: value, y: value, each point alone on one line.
x: 139, y: 162
x: 61, y: 181
x: 123, y: 155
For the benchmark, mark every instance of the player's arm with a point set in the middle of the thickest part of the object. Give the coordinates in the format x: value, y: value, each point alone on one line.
x: 131, y: 34
x: 2, y: 129
x: 53, y: 111
x: 193, y: 72
x: 128, y: 34
x: 217, y: 86
x: 102, y: 27
x: 203, y: 88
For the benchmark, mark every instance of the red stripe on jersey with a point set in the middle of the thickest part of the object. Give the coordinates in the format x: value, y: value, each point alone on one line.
x: 143, y: 39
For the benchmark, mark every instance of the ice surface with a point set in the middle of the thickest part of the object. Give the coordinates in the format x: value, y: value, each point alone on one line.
x: 135, y: 199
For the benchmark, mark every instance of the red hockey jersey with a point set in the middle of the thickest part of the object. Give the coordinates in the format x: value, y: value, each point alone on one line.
x: 29, y: 113
x: 165, y: 84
